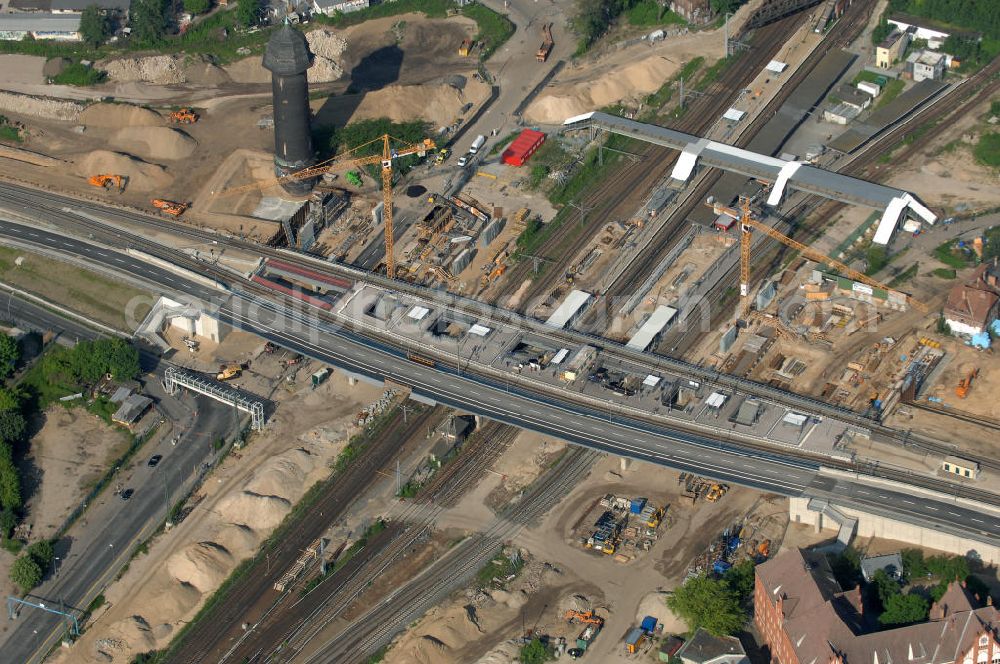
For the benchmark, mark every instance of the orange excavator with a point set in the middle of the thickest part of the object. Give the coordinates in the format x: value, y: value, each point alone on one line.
x: 962, y: 389
x: 106, y: 181
x: 183, y: 116
x: 586, y: 617
x: 169, y: 207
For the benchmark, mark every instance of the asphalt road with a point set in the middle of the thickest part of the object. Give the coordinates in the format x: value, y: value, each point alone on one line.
x: 302, y: 332
x: 96, y: 547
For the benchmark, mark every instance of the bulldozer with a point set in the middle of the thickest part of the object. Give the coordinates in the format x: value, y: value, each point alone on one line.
x: 230, y: 371
x: 962, y: 389
x: 172, y: 208
x: 108, y: 181
x: 183, y: 116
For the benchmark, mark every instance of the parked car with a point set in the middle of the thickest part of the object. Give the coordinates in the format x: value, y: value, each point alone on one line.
x: 127, y: 493
x: 463, y: 160
x: 154, y: 460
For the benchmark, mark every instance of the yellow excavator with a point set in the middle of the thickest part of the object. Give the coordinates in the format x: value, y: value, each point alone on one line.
x: 231, y: 370
x: 108, y: 181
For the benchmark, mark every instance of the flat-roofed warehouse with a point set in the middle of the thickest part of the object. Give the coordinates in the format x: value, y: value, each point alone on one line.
x: 61, y: 27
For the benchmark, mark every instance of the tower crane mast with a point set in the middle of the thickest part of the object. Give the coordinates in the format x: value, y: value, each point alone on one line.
x: 387, y: 155
x: 748, y: 224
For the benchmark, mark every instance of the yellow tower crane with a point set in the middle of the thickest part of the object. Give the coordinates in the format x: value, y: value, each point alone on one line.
x: 348, y: 159
x: 748, y: 224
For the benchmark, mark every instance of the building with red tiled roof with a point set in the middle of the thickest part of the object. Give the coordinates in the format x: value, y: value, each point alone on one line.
x: 806, y: 618
x: 972, y: 306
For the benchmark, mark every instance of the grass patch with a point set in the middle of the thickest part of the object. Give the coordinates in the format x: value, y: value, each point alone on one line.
x: 103, y: 408
x: 656, y: 100
x: 494, y: 29
x: 890, y: 92
x: 8, y: 131
x: 498, y: 570
x: 944, y: 273
x: 714, y: 72
x: 951, y: 255
x: 79, y: 75
x: 987, y: 150
x: 649, y: 13
x: 869, y: 77
x: 94, y: 295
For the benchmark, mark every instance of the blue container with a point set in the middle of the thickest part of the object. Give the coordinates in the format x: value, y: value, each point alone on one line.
x: 649, y: 624
x: 637, y: 504
x: 721, y: 567
x: 733, y: 544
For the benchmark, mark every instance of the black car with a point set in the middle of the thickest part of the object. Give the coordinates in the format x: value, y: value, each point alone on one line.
x: 154, y: 460
x: 575, y: 652
x: 127, y: 493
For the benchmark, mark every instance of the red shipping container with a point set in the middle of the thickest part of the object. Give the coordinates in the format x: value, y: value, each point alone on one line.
x: 523, y: 147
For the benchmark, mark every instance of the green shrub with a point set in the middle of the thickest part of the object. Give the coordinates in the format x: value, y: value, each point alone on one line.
x: 650, y: 13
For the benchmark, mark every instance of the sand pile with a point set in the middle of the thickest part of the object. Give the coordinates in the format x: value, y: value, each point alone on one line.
x: 42, y: 107
x: 159, y: 69
x: 622, y: 76
x: 254, y: 510
x: 135, y: 631
x: 439, y: 639
x: 154, y: 142
x: 142, y: 175
x: 120, y: 115
x: 203, y: 72
x: 250, y: 70
x: 282, y: 476
x: 202, y: 565
x: 439, y: 104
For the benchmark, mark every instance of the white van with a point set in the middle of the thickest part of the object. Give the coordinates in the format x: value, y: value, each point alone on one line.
x: 476, y: 144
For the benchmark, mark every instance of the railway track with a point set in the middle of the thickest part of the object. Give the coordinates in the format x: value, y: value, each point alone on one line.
x: 378, y: 625
x: 285, y: 633
x: 846, y: 30
x: 211, y: 634
x: 656, y: 362
x: 617, y: 196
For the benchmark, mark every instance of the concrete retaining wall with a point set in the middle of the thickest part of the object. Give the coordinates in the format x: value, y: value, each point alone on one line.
x: 872, y: 525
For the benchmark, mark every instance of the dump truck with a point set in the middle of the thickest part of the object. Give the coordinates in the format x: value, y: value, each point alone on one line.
x: 108, y: 181
x: 962, y: 389
x: 543, y: 51
x: 715, y: 492
x: 173, y: 208
x: 183, y: 116
x: 465, y: 48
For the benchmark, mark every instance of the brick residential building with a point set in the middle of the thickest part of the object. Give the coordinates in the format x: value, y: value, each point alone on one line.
x: 972, y: 306
x: 806, y: 618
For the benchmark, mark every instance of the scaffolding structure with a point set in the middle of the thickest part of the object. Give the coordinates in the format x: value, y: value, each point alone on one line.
x: 217, y: 390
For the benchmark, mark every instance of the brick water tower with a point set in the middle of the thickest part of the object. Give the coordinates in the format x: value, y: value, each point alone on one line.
x: 287, y: 57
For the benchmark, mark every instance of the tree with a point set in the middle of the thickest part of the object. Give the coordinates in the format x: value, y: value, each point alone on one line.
x: 8, y: 521
x: 877, y: 257
x: 246, y: 12
x: 10, y: 479
x: 885, y: 586
x: 533, y: 652
x: 95, y: 26
x: 12, y: 426
x: 9, y: 353
x: 881, y: 31
x: 42, y: 553
x: 725, y: 6
x: 710, y: 604
x: 149, y: 20
x: 196, y: 6
x: 25, y: 573
x: 740, y: 579
x: 903, y: 609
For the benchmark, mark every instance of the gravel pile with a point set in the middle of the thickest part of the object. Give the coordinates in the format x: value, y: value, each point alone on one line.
x: 41, y: 107
x: 158, y: 69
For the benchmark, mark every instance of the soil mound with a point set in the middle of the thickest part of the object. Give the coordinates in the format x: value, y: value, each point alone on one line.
x: 120, y: 115
x: 282, y: 476
x: 203, y: 565
x: 155, y: 142
x: 159, y: 69
x: 254, y: 510
x: 326, y: 44
x: 135, y: 632
x: 141, y: 175
x: 249, y: 70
